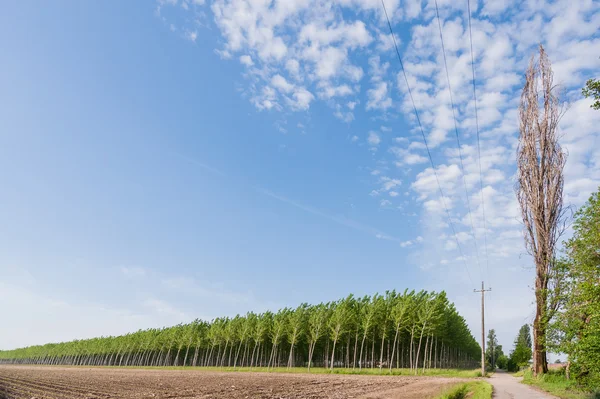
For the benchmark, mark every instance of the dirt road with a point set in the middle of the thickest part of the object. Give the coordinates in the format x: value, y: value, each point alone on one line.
x: 508, y: 387
x: 29, y: 382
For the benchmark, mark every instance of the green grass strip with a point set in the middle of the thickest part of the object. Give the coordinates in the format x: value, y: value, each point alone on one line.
x: 458, y: 373
x: 557, y: 384
x: 471, y: 390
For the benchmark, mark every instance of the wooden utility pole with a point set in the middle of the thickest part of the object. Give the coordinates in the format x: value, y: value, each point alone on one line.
x: 482, y: 290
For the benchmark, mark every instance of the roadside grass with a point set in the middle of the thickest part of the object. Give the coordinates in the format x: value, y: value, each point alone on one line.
x: 457, y: 373
x: 519, y: 373
x: 556, y: 383
x: 471, y: 390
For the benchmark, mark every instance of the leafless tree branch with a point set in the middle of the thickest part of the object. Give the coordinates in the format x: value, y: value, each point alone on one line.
x: 539, y: 188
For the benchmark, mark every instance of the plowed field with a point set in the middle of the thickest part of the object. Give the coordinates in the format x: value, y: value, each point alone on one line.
x: 28, y: 382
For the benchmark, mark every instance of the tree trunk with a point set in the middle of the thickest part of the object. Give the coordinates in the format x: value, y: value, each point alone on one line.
x: 411, y: 351
x: 419, y: 350
x: 186, y: 354
x: 394, y: 348
x: 361, y: 351
x: 333, y: 353
x: 373, y: 351
x: 425, y: 354
x: 355, y: 347
x: 540, y: 362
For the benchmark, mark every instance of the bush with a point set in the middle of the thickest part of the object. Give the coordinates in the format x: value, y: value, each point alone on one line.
x: 511, y: 365
x: 584, y: 377
x: 502, y: 362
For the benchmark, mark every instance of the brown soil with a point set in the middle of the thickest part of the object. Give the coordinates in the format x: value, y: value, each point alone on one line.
x: 30, y: 382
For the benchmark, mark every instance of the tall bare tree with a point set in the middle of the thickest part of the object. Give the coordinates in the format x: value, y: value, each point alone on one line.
x: 539, y: 188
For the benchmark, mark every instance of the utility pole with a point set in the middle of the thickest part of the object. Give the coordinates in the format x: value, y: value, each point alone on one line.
x: 482, y: 290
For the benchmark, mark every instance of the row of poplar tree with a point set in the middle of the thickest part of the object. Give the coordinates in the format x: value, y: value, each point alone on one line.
x: 415, y: 330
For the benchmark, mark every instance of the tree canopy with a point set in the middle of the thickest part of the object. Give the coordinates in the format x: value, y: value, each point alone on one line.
x: 415, y: 330
x: 522, y: 352
x: 592, y: 89
x: 576, y: 329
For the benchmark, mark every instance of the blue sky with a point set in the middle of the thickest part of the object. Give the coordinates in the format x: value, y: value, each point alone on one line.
x: 162, y: 161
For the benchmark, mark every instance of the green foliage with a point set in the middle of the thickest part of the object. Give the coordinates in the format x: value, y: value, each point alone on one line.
x: 592, y: 89
x: 557, y: 384
x: 502, y: 362
x: 471, y: 390
x: 493, y: 351
x: 576, y: 330
x: 421, y: 331
x: 522, y: 352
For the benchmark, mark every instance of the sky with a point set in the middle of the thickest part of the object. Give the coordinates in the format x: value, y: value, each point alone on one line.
x: 181, y: 159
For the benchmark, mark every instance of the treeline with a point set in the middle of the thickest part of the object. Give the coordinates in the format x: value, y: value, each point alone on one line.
x: 519, y: 357
x: 415, y: 330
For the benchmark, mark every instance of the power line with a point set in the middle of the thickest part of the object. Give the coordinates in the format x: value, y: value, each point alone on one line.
x: 462, y: 166
x: 478, y: 145
x: 425, y: 141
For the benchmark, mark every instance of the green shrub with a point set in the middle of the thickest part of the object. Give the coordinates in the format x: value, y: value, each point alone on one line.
x: 502, y: 362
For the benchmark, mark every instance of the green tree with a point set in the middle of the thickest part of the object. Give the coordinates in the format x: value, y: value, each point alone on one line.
x: 317, y: 322
x: 424, y: 328
x: 399, y: 316
x: 338, y: 321
x: 592, y: 89
x: 502, y: 362
x: 522, y: 351
x: 367, y: 314
x: 577, y: 329
x: 296, y: 321
x: 277, y: 332
x: 493, y: 350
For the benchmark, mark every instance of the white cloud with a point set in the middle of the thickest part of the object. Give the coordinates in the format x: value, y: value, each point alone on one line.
x: 373, y: 139
x: 280, y: 83
x: 379, y: 97
x: 192, y: 36
x: 389, y: 183
x: 409, y: 243
x: 302, y: 99
x: 426, y: 182
x: 293, y: 67
x: 246, y: 60
x: 438, y: 205
x: 344, y: 62
x: 329, y: 91
x: 405, y: 157
x: 386, y: 43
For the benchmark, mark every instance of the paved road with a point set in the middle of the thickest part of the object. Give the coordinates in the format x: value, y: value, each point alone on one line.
x: 508, y: 387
